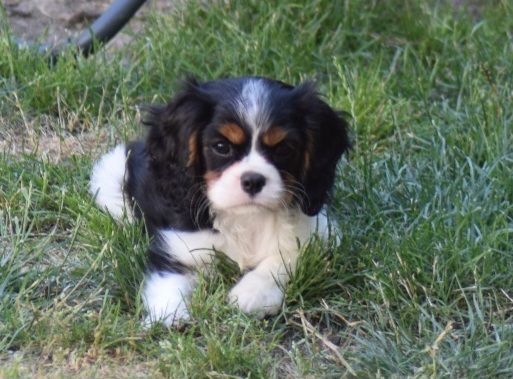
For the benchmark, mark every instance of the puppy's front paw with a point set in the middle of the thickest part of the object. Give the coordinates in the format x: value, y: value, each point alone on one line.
x: 257, y: 294
x: 165, y: 296
x: 169, y: 314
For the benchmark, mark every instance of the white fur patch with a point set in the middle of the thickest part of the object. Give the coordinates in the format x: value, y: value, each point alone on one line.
x: 252, y: 234
x: 253, y: 106
x: 194, y: 249
x: 107, y: 182
x: 227, y: 192
x: 165, y: 298
x: 258, y: 294
x: 254, y: 237
x: 269, y: 242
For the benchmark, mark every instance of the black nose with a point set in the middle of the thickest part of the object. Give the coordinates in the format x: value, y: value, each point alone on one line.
x: 252, y: 182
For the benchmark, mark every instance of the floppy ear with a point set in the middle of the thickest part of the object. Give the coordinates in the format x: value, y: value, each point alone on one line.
x: 175, y: 129
x: 327, y: 140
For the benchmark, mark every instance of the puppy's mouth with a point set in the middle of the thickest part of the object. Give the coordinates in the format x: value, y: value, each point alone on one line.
x: 250, y: 206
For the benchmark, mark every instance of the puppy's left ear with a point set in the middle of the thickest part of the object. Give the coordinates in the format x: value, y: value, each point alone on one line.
x: 175, y: 129
x: 327, y: 139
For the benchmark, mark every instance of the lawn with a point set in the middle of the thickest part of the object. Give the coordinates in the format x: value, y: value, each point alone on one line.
x: 421, y: 283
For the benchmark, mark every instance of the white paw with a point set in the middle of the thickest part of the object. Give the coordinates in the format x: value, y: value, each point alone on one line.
x: 257, y: 294
x: 168, y: 318
x: 165, y: 298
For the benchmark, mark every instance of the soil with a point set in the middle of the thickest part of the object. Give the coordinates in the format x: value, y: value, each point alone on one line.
x: 51, y: 21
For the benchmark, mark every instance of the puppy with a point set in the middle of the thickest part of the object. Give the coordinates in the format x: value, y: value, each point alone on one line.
x: 242, y: 166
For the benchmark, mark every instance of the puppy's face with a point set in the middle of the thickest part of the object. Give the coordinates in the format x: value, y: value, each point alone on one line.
x: 259, y: 143
x: 248, y: 167
x: 254, y: 151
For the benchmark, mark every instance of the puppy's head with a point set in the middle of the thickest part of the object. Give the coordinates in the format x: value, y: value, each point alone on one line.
x: 254, y: 142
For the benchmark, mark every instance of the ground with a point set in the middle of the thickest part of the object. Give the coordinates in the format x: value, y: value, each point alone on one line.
x: 53, y: 22
x: 419, y: 284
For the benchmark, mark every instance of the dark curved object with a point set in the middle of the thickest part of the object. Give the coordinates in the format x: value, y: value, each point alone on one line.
x: 107, y: 25
x: 98, y: 33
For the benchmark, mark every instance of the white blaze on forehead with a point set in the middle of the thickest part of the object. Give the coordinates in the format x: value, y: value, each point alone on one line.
x: 253, y: 105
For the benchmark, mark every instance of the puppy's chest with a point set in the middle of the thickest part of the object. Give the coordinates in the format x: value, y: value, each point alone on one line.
x: 249, y: 238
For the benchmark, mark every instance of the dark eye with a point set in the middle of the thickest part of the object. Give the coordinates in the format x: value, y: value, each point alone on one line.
x: 283, y: 150
x: 222, y: 148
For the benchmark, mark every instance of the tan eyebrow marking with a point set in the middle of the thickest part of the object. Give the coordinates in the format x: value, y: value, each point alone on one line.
x: 193, y: 150
x: 233, y: 133
x: 274, y: 136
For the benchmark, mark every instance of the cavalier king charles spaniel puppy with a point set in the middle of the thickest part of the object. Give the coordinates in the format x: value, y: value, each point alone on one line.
x: 242, y: 166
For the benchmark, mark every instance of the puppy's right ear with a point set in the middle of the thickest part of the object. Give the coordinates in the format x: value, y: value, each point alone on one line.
x: 328, y: 139
x: 175, y: 129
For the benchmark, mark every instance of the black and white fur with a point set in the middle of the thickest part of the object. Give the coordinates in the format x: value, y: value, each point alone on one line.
x: 242, y: 166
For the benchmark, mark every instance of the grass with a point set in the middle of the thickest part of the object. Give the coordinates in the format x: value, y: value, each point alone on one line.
x: 421, y: 283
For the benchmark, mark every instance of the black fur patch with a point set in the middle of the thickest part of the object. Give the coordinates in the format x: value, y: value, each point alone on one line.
x: 162, y: 260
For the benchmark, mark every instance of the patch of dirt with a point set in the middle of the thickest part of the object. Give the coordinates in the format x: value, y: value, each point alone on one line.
x: 77, y: 366
x: 53, y: 21
x: 51, y: 147
x: 474, y: 7
x: 39, y: 139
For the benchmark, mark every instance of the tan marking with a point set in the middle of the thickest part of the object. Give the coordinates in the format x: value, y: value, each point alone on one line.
x: 274, y: 136
x: 306, y: 164
x: 233, y: 133
x: 211, y: 176
x: 308, y: 152
x: 193, y: 150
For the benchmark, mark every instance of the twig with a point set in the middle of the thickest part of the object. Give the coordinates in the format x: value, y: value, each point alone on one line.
x: 308, y: 327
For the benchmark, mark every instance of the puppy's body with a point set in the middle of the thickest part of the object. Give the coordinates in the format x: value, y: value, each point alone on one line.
x: 242, y: 166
